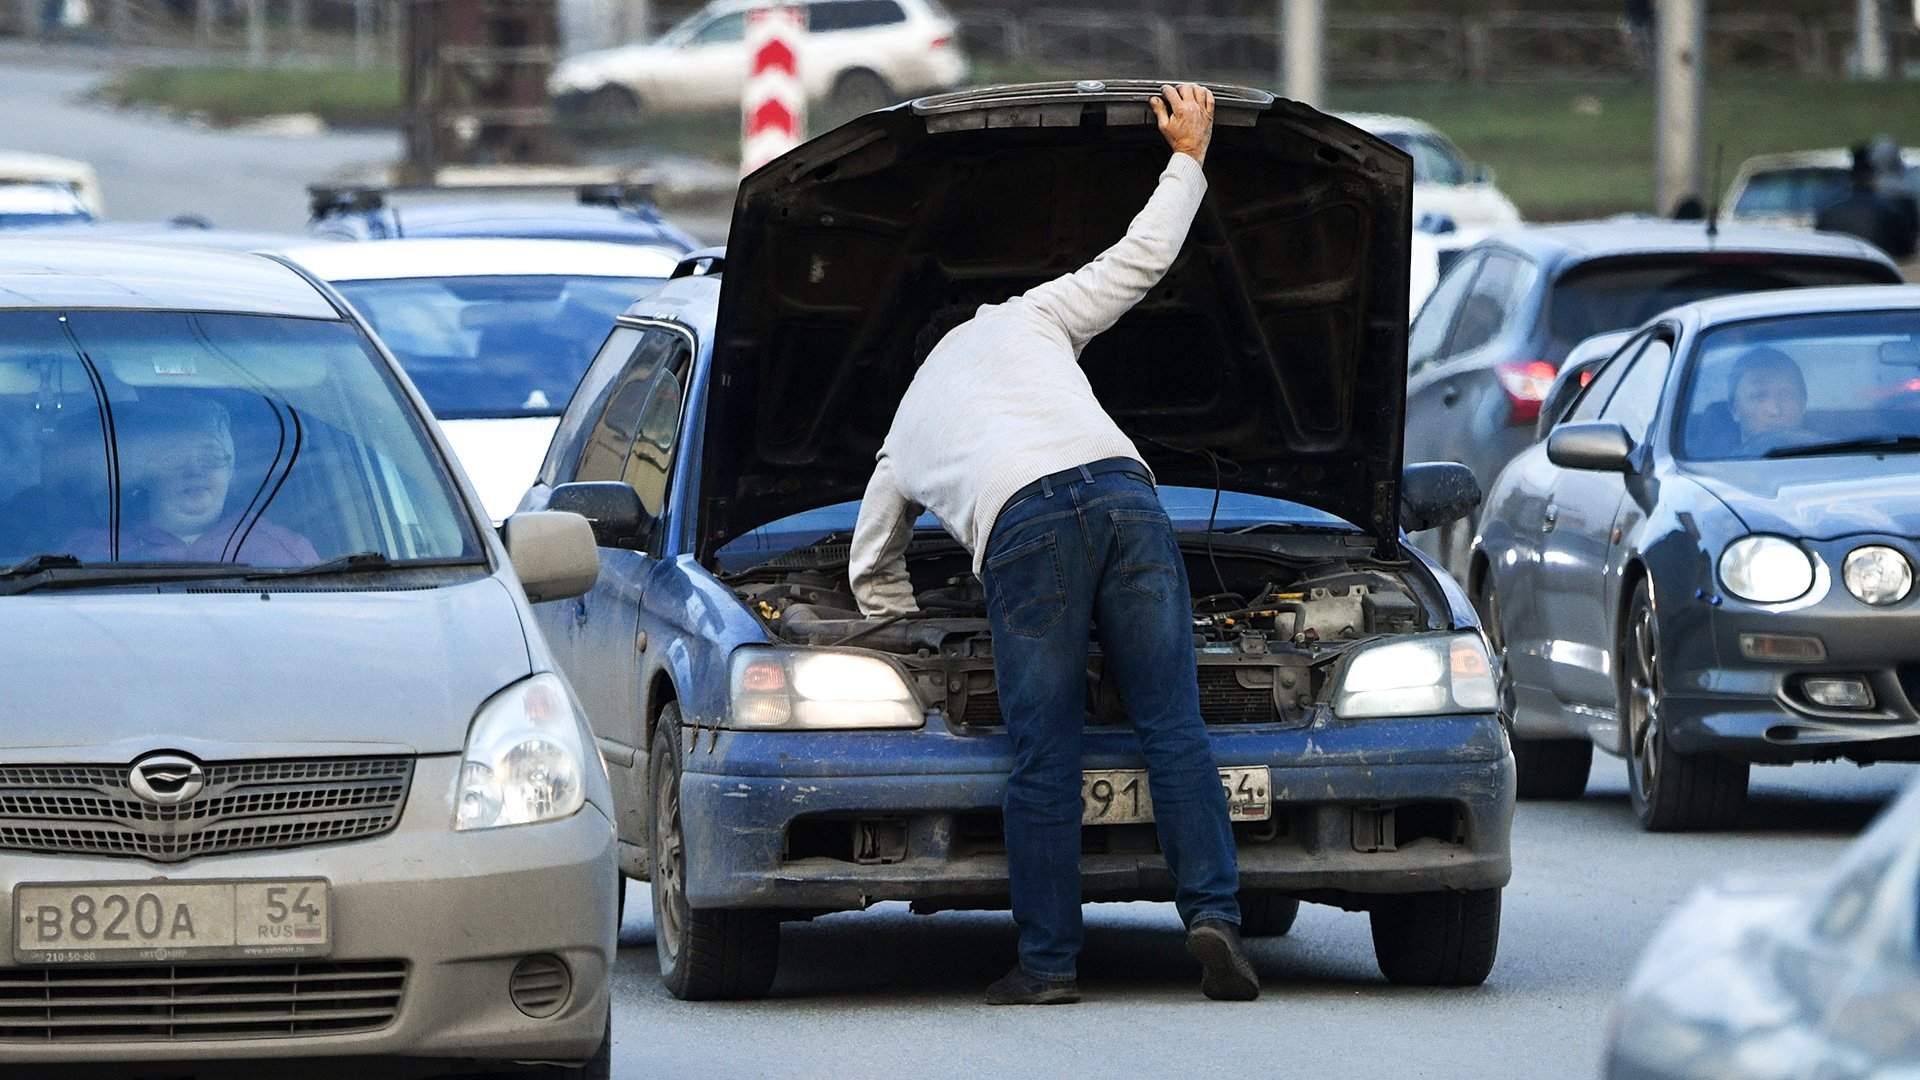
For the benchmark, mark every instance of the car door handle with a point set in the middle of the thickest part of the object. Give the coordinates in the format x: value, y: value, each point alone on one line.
x: 1450, y: 396
x: 1549, y: 519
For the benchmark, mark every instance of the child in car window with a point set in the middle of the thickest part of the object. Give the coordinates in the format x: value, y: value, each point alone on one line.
x: 180, y: 457
x: 1769, y: 401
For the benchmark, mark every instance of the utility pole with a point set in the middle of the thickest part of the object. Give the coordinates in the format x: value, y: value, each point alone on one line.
x: 1303, y: 43
x: 1679, y: 41
x: 1870, y: 41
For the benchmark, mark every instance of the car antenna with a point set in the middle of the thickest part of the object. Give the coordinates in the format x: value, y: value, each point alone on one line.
x: 1713, y: 193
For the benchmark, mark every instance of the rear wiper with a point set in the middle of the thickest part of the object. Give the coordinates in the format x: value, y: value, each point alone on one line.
x: 357, y: 563
x: 1896, y: 443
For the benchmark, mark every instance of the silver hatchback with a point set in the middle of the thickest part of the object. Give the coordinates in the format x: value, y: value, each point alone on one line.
x: 285, y: 769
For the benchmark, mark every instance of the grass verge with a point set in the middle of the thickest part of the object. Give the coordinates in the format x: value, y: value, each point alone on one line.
x: 342, y: 96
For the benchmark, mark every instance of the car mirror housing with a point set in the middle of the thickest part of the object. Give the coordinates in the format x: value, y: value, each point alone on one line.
x: 1436, y: 493
x: 1597, y: 446
x: 612, y: 508
x: 553, y: 554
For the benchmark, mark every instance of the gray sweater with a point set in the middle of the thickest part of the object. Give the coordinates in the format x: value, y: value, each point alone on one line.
x: 1001, y: 401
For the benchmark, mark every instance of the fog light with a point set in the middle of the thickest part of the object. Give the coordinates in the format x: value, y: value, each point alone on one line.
x: 1782, y: 648
x: 1838, y: 693
x: 540, y: 985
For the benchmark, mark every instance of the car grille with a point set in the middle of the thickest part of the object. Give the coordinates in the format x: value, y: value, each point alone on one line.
x: 245, y: 806
x: 1222, y: 701
x: 181, y: 1002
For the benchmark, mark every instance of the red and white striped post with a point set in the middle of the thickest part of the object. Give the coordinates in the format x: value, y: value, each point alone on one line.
x: 773, y: 110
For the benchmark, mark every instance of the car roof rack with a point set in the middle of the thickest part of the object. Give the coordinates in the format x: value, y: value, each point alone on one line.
x: 615, y: 188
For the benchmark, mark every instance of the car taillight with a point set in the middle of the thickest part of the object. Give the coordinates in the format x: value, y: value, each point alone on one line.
x: 940, y: 42
x: 1526, y: 383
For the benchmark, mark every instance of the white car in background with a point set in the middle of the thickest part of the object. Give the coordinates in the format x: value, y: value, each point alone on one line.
x: 495, y: 333
x: 1453, y: 199
x: 857, y: 55
x: 1789, y: 190
x: 47, y: 171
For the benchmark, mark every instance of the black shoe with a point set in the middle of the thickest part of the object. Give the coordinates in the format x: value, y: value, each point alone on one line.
x: 1226, y: 973
x: 1017, y: 987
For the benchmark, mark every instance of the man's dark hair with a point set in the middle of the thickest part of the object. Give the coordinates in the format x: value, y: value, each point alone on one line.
x: 939, y: 325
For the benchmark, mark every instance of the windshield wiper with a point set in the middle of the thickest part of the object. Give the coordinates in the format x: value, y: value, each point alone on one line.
x: 1895, y: 443
x: 358, y: 563
x: 34, y: 564
x: 50, y: 571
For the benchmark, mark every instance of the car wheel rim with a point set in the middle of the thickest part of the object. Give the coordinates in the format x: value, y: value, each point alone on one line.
x: 672, y: 918
x: 1643, y: 702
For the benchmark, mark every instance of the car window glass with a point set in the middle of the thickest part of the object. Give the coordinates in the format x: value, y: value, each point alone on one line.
x: 604, y: 455
x: 1429, y: 330
x: 723, y: 30
x: 1637, y: 398
x: 247, y: 439
x: 488, y: 347
x: 853, y: 15
x: 1779, y: 384
x: 1614, y: 294
x: 1493, y: 300
x: 607, y: 365
x: 1434, y: 162
x: 1792, y: 191
x: 652, y: 455
x: 1604, y: 381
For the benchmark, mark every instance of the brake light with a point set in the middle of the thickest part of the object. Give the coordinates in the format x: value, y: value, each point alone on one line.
x: 1526, y: 383
x: 1586, y: 376
x: 940, y: 42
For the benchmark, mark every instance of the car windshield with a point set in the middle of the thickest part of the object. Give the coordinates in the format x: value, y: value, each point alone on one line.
x: 1792, y: 191
x: 1807, y: 385
x: 485, y: 347
x: 1187, y: 507
x: 1614, y: 294
x: 1434, y: 162
x: 40, y: 204
x: 178, y: 438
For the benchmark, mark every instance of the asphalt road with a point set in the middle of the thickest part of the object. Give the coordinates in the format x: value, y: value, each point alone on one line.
x: 885, y: 993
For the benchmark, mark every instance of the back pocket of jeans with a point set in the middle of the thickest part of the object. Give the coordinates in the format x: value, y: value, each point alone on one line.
x: 1148, y: 556
x: 1025, y: 588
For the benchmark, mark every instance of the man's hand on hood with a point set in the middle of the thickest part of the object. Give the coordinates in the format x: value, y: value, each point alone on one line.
x: 1185, y: 115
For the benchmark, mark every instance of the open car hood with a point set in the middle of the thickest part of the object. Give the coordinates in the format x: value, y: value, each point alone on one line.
x: 1277, y: 341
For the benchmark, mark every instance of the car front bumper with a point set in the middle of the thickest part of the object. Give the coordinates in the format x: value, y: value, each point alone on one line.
x: 1718, y: 700
x: 1362, y: 807
x: 459, y: 910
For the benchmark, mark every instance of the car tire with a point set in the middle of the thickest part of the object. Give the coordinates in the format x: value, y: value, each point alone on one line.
x: 1436, y: 938
x: 1671, y: 791
x: 858, y: 92
x: 1267, y: 914
x: 705, y: 954
x: 611, y: 105
x: 1544, y: 768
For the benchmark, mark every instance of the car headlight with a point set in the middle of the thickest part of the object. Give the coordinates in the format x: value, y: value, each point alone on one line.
x: 1766, y: 570
x: 1878, y: 575
x: 1414, y: 676
x: 798, y: 689
x: 524, y: 761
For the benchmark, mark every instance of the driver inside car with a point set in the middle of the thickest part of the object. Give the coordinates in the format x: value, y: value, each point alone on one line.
x: 178, y: 465
x: 1768, y: 399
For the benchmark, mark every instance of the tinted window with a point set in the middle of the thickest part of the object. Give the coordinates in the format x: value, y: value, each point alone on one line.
x: 853, y: 15
x: 201, y: 438
x: 1614, y: 294
x: 1434, y: 161
x: 632, y: 439
x: 494, y: 346
x: 723, y: 30
x: 1493, y: 301
x: 1637, y: 399
x: 1603, y: 384
x: 1429, y: 330
x: 1783, y: 385
x: 1792, y: 191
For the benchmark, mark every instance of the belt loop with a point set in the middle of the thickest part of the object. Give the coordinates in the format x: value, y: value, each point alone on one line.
x: 1046, y: 487
x: 1086, y: 475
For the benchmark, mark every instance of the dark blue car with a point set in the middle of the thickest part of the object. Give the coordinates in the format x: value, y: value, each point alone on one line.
x: 777, y: 756
x: 612, y: 213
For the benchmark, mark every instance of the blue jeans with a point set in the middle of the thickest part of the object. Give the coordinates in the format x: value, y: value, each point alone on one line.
x: 1086, y: 557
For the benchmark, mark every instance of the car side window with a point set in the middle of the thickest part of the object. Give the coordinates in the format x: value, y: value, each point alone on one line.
x: 1494, y: 298
x: 854, y: 15
x: 632, y: 438
x: 1429, y: 330
x: 724, y: 30
x: 1637, y: 399
x: 1604, y: 381
x: 608, y: 364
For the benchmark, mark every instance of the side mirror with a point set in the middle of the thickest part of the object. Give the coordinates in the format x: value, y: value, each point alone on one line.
x: 611, y: 507
x: 1436, y: 493
x: 553, y: 554
x: 1597, y: 446
x: 1482, y: 174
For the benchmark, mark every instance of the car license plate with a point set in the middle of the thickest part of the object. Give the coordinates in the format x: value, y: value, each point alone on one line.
x: 114, y: 921
x: 1120, y: 796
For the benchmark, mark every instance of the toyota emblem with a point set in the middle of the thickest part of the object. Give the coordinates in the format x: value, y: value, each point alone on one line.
x: 167, y: 779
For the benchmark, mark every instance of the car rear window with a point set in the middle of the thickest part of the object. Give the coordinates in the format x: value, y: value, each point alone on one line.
x: 181, y: 437
x: 1614, y: 294
x: 1791, y: 191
